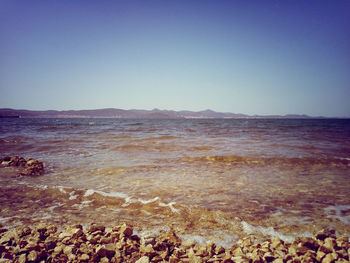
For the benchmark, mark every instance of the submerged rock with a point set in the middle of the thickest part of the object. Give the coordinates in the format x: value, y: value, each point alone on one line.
x: 26, y: 168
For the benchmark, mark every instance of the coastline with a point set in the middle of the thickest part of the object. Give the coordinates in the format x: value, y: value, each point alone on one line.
x: 43, y: 242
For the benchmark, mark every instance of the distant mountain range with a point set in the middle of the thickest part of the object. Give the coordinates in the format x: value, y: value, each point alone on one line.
x: 138, y: 114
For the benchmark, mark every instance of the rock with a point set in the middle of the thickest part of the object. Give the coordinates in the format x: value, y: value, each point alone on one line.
x: 32, y: 256
x: 276, y: 243
x: 309, y: 243
x: 32, y: 245
x: 94, y: 228
x: 325, y: 249
x: 238, y: 252
x: 227, y: 259
x: 324, y: 233
x: 22, y: 258
x: 331, y: 257
x: 309, y: 256
x: 68, y: 250
x: 301, y: 250
x: 71, y: 232
x: 107, y: 250
x: 219, y: 250
x: 343, y: 242
x: 24, y: 231
x: 342, y: 260
x: 278, y: 260
x: 239, y: 259
x: 9, y: 237
x: 104, y: 260
x: 188, y: 243
x: 143, y: 259
x: 126, y: 230
x: 269, y: 257
x: 6, y: 158
x: 343, y: 253
x: 5, y: 163
x: 27, y: 168
x: 17, y: 161
x: 330, y: 243
x: 51, y: 229
x: 202, y: 251
x: 106, y: 240
x: 195, y: 259
x: 58, y: 249
x: 83, y: 258
x: 50, y: 244
x: 147, y: 250
x: 245, y: 242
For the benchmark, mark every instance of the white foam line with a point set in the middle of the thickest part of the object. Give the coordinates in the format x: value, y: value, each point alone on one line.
x: 4, y: 219
x: 61, y: 189
x: 250, y: 229
x: 129, y: 200
x: 40, y: 186
x: 113, y: 194
x: 51, y: 208
x: 338, y: 213
x: 148, y: 201
x: 170, y: 205
x: 72, y: 196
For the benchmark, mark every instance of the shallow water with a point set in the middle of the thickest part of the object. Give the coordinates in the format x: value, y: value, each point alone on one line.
x: 214, y: 179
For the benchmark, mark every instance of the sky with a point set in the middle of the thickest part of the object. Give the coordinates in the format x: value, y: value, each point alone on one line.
x: 251, y: 57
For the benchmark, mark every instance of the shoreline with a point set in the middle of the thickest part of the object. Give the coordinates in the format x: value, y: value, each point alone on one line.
x: 43, y: 242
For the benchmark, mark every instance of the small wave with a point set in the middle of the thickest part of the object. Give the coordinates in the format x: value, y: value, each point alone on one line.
x: 136, y: 124
x: 125, y: 169
x: 90, y: 192
x: 148, y: 201
x: 61, y: 189
x: 147, y: 147
x: 340, y: 212
x: 170, y: 205
x: 269, y: 231
x: 73, y: 196
x: 129, y: 200
x: 283, y: 161
x: 164, y: 137
x: 201, y: 148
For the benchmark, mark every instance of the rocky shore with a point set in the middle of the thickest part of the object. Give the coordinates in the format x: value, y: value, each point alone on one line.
x: 96, y: 243
x: 25, y: 167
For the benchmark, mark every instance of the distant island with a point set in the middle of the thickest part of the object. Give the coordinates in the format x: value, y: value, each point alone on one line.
x: 139, y: 114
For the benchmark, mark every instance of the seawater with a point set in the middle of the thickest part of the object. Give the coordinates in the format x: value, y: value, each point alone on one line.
x: 206, y: 178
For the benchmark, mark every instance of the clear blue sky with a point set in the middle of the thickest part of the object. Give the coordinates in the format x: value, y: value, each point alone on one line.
x: 253, y: 57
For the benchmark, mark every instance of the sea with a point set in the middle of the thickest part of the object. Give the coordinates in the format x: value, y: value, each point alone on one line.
x: 211, y: 180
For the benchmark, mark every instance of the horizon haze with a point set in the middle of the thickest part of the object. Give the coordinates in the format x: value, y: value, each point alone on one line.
x: 249, y: 57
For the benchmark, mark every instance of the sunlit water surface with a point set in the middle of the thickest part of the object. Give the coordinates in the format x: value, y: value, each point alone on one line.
x: 208, y: 179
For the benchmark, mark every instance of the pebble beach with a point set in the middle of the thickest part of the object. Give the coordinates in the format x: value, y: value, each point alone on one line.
x: 96, y: 243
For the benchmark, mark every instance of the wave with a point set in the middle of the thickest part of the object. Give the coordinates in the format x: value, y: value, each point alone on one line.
x: 245, y: 160
x: 147, y: 147
x: 270, y: 231
x: 340, y: 212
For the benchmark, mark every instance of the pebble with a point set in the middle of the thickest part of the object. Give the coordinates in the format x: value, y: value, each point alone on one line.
x: 43, y: 243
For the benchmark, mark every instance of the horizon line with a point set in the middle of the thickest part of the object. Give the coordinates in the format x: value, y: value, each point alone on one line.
x: 194, y: 111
